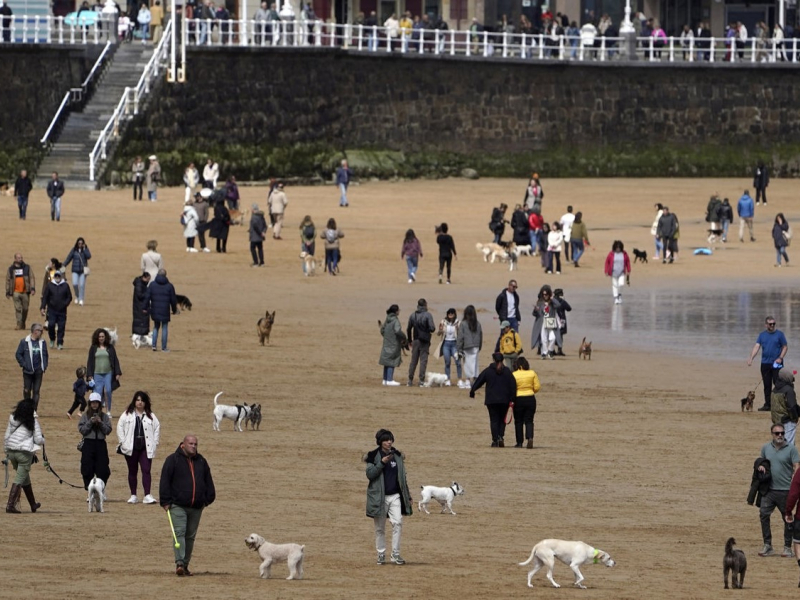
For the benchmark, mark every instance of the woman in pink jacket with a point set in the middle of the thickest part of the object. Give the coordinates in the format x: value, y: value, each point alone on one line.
x: 618, y: 267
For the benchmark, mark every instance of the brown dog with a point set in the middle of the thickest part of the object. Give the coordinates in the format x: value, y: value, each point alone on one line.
x: 264, y: 327
x: 747, y: 401
x: 585, y: 350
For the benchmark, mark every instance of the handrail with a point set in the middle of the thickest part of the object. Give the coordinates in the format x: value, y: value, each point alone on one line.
x: 151, y: 69
x: 47, y: 29
x: 111, y: 128
x: 56, y: 117
x: 96, y: 66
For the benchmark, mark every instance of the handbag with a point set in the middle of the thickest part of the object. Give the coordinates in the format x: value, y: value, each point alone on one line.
x: 80, y: 445
x: 787, y: 236
x: 86, y: 270
x: 549, y: 322
x: 438, y: 352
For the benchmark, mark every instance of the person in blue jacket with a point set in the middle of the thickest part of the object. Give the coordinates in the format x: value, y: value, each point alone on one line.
x: 159, y: 299
x: 343, y: 175
x: 746, y: 211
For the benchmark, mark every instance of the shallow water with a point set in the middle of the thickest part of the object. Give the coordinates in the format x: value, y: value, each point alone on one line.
x: 716, y: 323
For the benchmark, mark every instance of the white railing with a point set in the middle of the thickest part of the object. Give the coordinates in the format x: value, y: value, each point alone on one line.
x: 374, y: 39
x: 46, y: 29
x: 129, y: 102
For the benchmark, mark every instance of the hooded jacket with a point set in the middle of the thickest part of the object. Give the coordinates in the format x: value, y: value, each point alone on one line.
x: 160, y: 298
x: 501, y: 306
x: 78, y: 258
x: 57, y: 296
x: 420, y: 325
x: 376, y: 496
x: 745, y: 207
x: 24, y: 354
x: 258, y: 227
x: 667, y: 225
x: 759, y: 484
x: 141, y: 321
x: 784, y: 399
x: 186, y: 481
x: 24, y: 270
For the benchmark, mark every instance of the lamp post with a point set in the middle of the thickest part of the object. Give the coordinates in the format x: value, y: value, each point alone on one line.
x: 628, y: 33
x: 111, y: 17
x: 287, y: 17
x: 627, y: 25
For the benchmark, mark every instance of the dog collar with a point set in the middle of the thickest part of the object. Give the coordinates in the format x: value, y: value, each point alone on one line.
x: 596, y: 554
x: 455, y: 492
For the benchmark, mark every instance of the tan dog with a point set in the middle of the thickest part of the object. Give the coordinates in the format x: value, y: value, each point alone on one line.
x: 264, y: 327
x: 309, y: 263
x: 492, y: 252
x: 291, y: 553
x: 747, y: 401
x: 585, y: 350
x: 238, y: 217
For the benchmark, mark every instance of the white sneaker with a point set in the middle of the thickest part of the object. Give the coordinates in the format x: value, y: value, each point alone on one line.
x: 76, y: 300
x: 617, y: 301
x: 447, y: 383
x: 133, y: 500
x: 383, y: 382
x: 193, y: 250
x: 149, y: 499
x: 206, y: 250
x: 410, y: 281
x: 80, y: 302
x: 460, y: 384
x: 392, y: 383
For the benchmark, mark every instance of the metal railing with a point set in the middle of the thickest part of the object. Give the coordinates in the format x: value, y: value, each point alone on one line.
x: 76, y: 97
x: 129, y: 103
x: 449, y: 42
x: 46, y: 29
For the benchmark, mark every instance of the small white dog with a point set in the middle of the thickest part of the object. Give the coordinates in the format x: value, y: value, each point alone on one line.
x: 237, y: 413
x: 270, y: 553
x: 523, y: 251
x: 113, y: 337
x: 309, y: 262
x: 97, y: 494
x: 140, y: 341
x: 435, y: 380
x: 573, y: 554
x: 443, y: 495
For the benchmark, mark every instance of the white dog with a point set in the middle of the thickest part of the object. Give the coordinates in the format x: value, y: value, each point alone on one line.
x: 291, y: 553
x: 523, y: 251
x: 309, y: 262
x: 140, y: 341
x: 237, y: 413
x: 492, y: 252
x: 443, y: 495
x: 435, y: 380
x: 97, y: 494
x: 573, y: 554
x: 113, y: 337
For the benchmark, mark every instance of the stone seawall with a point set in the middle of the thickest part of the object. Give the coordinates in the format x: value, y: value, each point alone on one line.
x: 35, y: 79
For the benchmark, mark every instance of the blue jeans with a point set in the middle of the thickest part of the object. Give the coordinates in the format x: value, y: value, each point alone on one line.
x: 102, y: 381
x: 22, y: 203
x: 153, y: 196
x: 79, y: 285
x: 659, y: 246
x: 203, y: 33
x: 412, y: 262
x: 449, y: 352
x: 388, y: 373
x: 534, y: 237
x: 55, y: 208
x: 514, y: 323
x: 577, y: 250
x: 343, y: 198
x: 781, y: 252
x: 145, y: 27
x: 164, y: 326
x: 725, y: 224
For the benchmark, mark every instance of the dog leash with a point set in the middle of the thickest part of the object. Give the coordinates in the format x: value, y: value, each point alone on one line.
x: 50, y: 469
x: 510, y: 413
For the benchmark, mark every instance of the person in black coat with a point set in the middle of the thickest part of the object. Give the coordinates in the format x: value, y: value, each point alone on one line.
x: 159, y: 299
x: 561, y: 311
x: 220, y: 225
x: 502, y: 305
x: 141, y: 320
x: 56, y: 299
x: 22, y: 189
x: 520, y: 226
x: 501, y: 389
x: 760, y: 182
x: 497, y: 224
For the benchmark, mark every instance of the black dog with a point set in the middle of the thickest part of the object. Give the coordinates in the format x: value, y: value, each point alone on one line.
x: 183, y: 302
x: 640, y: 255
x: 735, y: 561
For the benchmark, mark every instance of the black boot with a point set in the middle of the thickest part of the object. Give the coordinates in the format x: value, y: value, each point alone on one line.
x: 13, y: 499
x: 28, y: 489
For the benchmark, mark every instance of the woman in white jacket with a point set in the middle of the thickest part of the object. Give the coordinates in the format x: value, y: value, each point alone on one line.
x: 139, y: 433
x: 189, y: 220
x: 654, y: 228
x: 23, y: 438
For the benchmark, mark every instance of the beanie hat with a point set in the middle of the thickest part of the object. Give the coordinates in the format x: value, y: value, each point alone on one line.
x: 383, y: 435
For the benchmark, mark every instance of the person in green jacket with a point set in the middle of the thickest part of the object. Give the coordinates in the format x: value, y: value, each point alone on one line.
x: 387, y: 493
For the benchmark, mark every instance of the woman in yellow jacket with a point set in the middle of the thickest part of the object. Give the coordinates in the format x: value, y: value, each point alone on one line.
x: 525, y: 403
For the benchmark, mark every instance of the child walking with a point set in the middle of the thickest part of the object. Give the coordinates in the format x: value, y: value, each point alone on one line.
x: 79, y: 389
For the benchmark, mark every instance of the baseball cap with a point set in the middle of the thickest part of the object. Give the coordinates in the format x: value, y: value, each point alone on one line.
x: 95, y: 397
x: 505, y: 324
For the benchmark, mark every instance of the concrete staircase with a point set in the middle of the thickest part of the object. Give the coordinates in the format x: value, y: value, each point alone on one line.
x: 69, y: 156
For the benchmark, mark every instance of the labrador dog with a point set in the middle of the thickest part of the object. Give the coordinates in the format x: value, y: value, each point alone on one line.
x: 237, y: 413
x: 291, y: 553
x: 443, y: 495
x: 573, y: 554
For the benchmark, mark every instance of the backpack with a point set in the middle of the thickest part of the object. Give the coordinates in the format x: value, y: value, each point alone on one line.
x: 308, y: 232
x: 330, y: 235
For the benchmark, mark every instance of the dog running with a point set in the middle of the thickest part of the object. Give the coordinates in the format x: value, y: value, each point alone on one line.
x: 291, y: 553
x: 443, y: 495
x: 264, y: 327
x: 734, y: 562
x: 237, y: 413
x: 573, y: 554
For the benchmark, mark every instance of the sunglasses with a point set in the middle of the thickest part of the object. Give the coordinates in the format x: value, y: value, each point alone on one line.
x: 778, y: 433
x: 770, y: 324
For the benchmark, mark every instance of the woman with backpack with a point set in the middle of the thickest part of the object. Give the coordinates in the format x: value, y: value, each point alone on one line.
x: 332, y: 235
x: 308, y: 235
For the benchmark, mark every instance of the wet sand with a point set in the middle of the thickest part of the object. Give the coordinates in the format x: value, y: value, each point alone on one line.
x: 641, y: 451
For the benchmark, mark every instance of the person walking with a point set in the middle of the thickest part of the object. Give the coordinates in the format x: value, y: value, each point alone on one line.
x: 448, y: 331
x: 555, y: 240
x: 773, y: 346
x: 387, y: 494
x: 654, y: 228
x: 497, y: 224
x: 501, y: 388
x: 667, y: 231
x: 561, y: 312
x: 189, y: 220
x: 141, y: 320
x: 20, y: 286
x: 508, y: 344
x: 21, y: 441
x: 220, y: 225
x: 393, y: 343
x: 201, y: 208
x: 137, y: 177
x: 746, y: 211
x: 520, y: 228
x: 781, y: 236
x: 95, y: 425
x: 545, y: 325
x: 418, y: 332
x: 784, y: 403
x: 469, y: 343
x: 152, y: 261
x: 447, y: 251
x: 343, y: 176
x: 158, y: 301
x: 567, y: 220
x: 32, y: 358
x: 102, y: 366
x: 332, y: 234
x: 139, y: 433
x: 55, y: 301
x: 760, y: 182
x: 79, y: 389
x: 277, y: 207
x: 507, y: 305
x: 726, y: 216
x: 618, y: 267
x: 55, y: 191
x: 153, y: 175
x: 411, y: 252
x: 579, y: 238
x: 185, y: 490
x: 308, y: 238
x: 525, y: 402
x: 783, y: 462
x: 22, y: 190
x: 79, y: 257
x: 257, y: 233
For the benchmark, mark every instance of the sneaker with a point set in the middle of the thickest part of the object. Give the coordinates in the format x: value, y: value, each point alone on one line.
x: 421, y: 384
x: 52, y: 343
x: 165, y: 349
x: 440, y: 279
x: 397, y: 559
x: 133, y: 500
x: 193, y: 250
x: 410, y: 280
x: 60, y: 347
x: 544, y: 356
x: 69, y: 416
x: 148, y: 499
x: 413, y: 277
x: 787, y: 552
x: 448, y: 282
x: 447, y: 384
x: 460, y: 384
x: 381, y: 558
x: 155, y: 349
x: 392, y: 383
x: 80, y: 302
x: 383, y: 382
x: 517, y: 445
x: 410, y: 383
x: 76, y: 300
x: 767, y: 551
x: 206, y: 250
x: 494, y: 445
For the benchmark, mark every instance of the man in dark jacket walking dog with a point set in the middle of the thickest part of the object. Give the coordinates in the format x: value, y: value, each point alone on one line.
x: 159, y: 299
x: 56, y: 299
x: 186, y: 488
